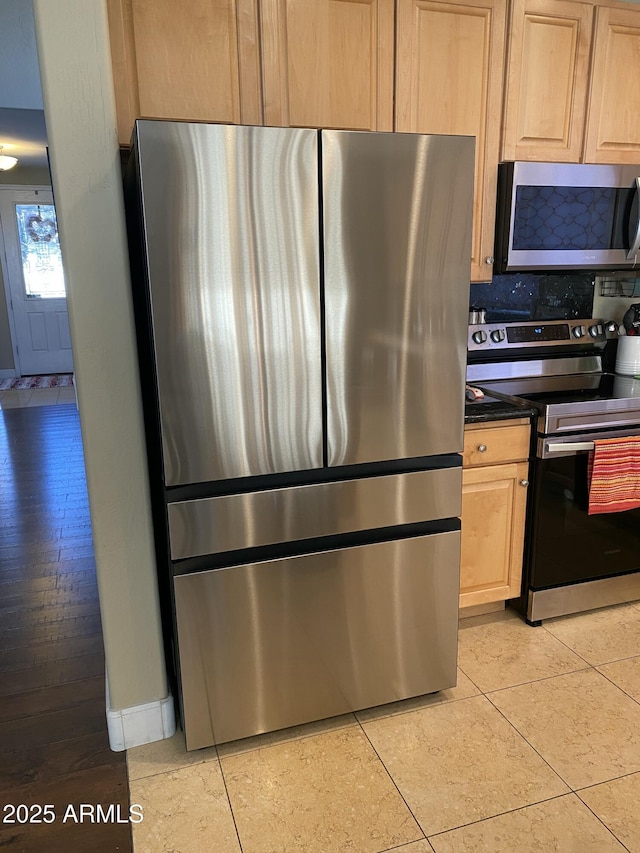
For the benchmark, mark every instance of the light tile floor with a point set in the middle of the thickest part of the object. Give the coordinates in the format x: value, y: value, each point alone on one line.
x: 36, y: 397
x: 536, y: 749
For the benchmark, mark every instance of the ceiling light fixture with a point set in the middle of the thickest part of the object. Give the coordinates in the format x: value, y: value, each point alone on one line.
x: 6, y: 162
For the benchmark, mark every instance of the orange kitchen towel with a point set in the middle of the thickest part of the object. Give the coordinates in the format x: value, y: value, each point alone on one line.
x: 614, y: 475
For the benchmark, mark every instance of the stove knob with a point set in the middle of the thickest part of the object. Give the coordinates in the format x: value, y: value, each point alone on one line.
x: 578, y: 331
x: 596, y: 331
x: 497, y: 336
x: 479, y: 337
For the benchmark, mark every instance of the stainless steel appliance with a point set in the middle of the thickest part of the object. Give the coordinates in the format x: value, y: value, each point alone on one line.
x: 573, y: 561
x: 567, y: 216
x: 302, y: 311
x: 477, y: 316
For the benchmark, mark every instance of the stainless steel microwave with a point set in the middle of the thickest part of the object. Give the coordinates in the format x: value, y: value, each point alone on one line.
x: 566, y: 216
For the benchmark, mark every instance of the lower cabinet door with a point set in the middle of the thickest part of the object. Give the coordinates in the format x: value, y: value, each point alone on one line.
x: 494, y: 500
x: 273, y: 644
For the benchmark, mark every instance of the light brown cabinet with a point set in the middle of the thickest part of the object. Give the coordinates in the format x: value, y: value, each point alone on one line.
x: 449, y: 66
x: 328, y: 63
x: 547, y: 80
x: 494, y: 498
x: 567, y: 98
x: 613, y: 123
x: 199, y: 61
x: 304, y: 63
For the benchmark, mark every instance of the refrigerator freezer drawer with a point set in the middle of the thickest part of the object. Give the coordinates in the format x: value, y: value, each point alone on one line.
x: 275, y: 644
x: 231, y: 522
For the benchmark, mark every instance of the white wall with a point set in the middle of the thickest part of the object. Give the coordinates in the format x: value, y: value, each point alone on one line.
x: 79, y: 106
x: 19, y: 74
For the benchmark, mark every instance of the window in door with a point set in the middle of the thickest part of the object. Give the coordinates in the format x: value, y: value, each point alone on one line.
x: 40, y: 251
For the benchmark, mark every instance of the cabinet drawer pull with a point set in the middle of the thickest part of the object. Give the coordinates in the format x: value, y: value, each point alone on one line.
x: 482, y: 448
x: 524, y: 482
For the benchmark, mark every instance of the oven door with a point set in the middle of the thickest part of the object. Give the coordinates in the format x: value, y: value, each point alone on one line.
x: 566, y: 545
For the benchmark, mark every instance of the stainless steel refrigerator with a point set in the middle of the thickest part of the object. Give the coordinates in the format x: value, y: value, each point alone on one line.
x: 302, y: 301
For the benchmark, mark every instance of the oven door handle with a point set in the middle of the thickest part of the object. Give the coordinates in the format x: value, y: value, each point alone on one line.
x: 566, y: 448
x: 634, y: 236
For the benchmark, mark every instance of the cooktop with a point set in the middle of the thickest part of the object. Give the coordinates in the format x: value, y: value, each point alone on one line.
x: 574, y: 388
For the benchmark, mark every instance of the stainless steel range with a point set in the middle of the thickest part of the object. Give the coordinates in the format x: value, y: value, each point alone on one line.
x: 573, y: 561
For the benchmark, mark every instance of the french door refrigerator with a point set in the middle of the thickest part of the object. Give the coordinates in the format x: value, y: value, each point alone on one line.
x: 302, y: 301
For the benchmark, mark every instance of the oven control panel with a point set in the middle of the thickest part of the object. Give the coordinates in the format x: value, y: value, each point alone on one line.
x: 502, y: 336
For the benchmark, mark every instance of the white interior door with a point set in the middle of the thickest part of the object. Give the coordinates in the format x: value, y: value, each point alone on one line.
x: 34, y: 279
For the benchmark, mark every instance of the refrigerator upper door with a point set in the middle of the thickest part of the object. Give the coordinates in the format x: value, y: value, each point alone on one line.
x: 231, y: 226
x: 397, y: 237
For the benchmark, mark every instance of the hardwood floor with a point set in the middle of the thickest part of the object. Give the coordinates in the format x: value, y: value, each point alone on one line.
x: 54, y: 748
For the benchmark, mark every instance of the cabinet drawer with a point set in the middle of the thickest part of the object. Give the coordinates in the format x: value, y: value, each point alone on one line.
x: 496, y: 444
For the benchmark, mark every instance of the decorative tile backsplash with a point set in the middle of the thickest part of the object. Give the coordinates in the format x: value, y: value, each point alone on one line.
x: 529, y: 296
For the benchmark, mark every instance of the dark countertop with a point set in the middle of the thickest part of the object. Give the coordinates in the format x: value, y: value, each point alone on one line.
x: 493, y: 409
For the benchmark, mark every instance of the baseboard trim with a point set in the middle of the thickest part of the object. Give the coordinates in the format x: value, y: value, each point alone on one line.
x: 7, y: 374
x: 140, y: 724
x: 481, y: 609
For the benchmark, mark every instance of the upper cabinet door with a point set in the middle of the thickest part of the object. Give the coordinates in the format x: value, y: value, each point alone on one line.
x: 547, y: 79
x: 450, y: 59
x: 613, y: 123
x: 328, y: 63
x: 200, y: 62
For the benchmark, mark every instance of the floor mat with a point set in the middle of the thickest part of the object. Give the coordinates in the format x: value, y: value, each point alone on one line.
x: 25, y: 383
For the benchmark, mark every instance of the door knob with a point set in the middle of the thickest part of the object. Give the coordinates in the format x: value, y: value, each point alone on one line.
x: 524, y: 482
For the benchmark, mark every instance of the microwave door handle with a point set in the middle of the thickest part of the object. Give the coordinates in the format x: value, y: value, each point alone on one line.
x: 634, y: 237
